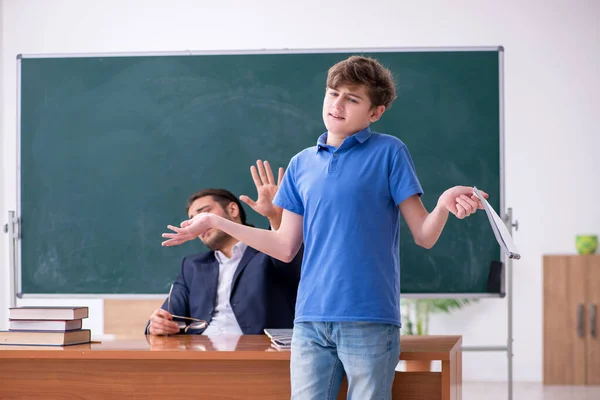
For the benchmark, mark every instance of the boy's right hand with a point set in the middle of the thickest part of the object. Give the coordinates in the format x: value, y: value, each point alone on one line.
x: 189, y: 230
x: 266, y: 189
x: 161, y: 323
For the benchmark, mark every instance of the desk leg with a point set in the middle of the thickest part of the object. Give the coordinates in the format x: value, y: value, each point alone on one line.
x: 459, y: 375
x: 452, y: 377
x: 447, y: 380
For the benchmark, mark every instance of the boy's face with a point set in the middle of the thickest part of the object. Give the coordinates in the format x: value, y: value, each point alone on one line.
x: 347, y: 110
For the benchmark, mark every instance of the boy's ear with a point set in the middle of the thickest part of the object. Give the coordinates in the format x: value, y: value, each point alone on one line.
x: 376, y: 113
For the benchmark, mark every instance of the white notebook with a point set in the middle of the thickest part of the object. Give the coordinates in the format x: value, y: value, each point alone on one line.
x: 279, y: 333
x: 502, y: 235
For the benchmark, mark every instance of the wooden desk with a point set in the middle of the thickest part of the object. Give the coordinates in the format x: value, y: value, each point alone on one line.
x: 189, y: 366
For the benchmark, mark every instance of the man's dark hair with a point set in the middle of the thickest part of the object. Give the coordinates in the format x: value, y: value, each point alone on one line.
x: 221, y: 196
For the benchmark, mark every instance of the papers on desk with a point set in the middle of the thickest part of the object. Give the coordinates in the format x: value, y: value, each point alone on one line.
x: 502, y: 235
x: 281, y: 339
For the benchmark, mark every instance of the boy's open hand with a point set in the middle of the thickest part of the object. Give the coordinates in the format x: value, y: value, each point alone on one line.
x: 189, y: 230
x: 266, y: 189
x: 461, y: 201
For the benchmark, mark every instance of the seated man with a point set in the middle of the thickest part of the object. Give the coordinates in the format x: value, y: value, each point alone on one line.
x: 233, y: 287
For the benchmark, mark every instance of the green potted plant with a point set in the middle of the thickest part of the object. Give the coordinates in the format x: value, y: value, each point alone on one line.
x: 415, y: 320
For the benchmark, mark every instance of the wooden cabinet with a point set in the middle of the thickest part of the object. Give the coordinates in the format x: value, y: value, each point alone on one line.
x: 571, y: 320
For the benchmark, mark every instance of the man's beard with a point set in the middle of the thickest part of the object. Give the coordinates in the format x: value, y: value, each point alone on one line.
x: 217, y: 240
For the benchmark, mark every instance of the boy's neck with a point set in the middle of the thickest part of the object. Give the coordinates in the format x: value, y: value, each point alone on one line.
x: 336, y: 139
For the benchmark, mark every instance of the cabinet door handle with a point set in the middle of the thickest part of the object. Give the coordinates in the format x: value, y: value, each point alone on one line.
x: 580, y: 320
x: 593, y: 320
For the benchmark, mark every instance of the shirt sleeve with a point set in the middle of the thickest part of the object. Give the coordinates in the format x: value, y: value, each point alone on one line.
x: 403, y: 176
x: 287, y: 196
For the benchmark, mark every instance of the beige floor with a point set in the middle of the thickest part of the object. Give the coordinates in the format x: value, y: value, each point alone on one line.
x: 528, y: 391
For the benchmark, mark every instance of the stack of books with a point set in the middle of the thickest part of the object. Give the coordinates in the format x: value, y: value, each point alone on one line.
x: 46, y: 326
x: 281, y: 339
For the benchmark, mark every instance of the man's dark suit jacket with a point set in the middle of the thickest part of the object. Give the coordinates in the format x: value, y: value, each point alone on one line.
x: 263, y: 292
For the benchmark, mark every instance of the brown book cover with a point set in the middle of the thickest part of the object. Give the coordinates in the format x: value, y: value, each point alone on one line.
x: 48, y: 313
x: 45, y: 338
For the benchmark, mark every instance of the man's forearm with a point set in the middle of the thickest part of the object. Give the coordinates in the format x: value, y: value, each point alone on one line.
x: 432, y: 227
x: 270, y: 242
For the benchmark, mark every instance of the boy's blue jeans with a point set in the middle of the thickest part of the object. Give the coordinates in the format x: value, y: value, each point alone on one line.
x: 323, y: 351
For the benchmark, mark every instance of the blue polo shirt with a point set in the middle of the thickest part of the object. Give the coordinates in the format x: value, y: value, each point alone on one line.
x: 349, y: 199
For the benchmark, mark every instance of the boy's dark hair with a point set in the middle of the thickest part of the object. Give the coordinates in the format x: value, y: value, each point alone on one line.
x: 358, y: 70
x: 221, y: 196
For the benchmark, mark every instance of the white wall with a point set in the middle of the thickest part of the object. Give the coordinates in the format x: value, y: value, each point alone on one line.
x: 552, y: 102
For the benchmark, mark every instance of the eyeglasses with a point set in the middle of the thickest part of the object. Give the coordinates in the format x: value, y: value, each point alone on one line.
x: 195, y: 322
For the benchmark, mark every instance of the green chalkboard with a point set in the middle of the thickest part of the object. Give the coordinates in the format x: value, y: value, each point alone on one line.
x: 112, y: 146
